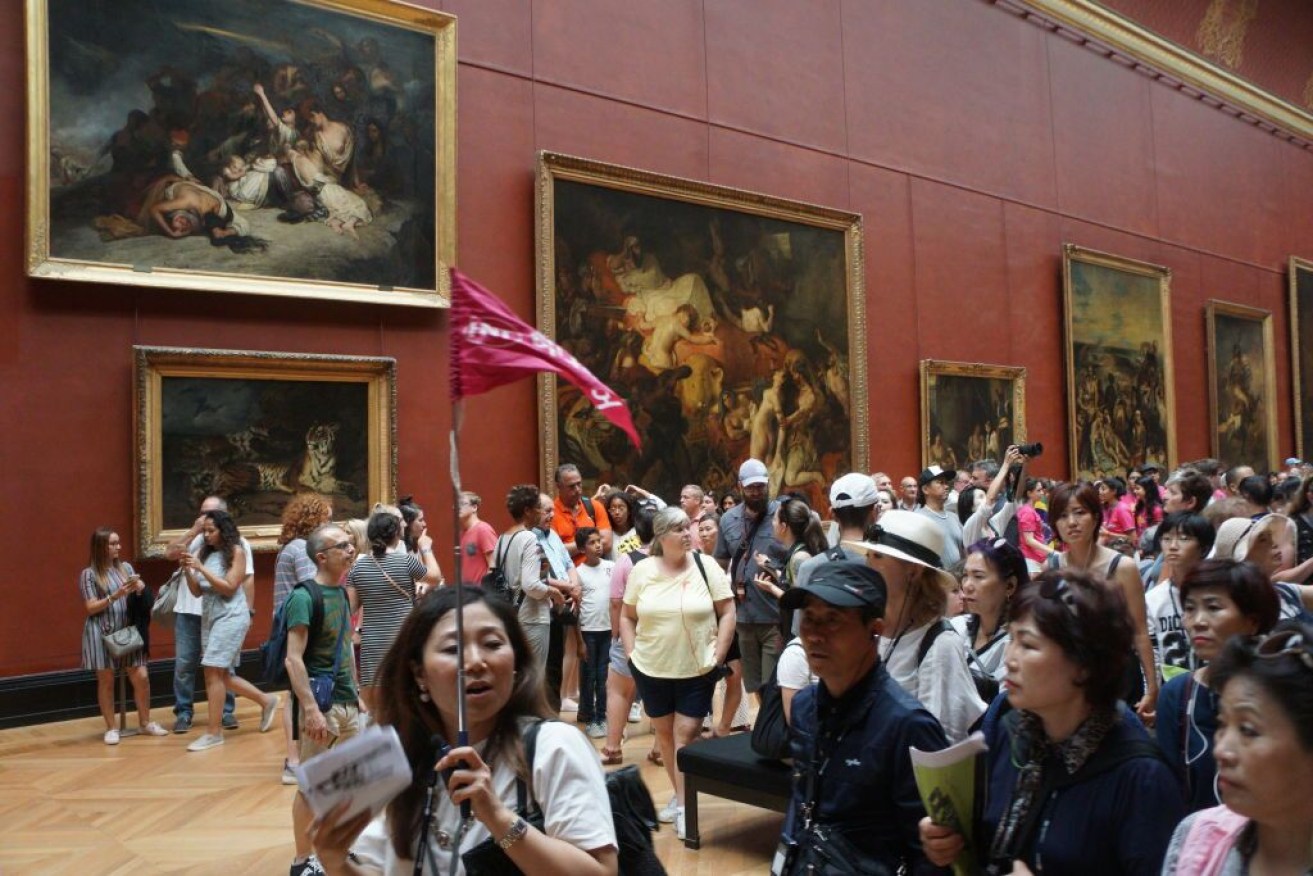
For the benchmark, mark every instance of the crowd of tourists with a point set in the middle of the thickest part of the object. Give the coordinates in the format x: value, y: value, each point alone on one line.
x: 1139, y: 660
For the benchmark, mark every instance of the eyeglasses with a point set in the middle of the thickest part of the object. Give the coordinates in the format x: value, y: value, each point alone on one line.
x: 1059, y: 589
x: 1286, y: 643
x: 340, y: 546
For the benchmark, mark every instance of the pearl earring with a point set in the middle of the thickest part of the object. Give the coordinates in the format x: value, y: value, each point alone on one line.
x: 423, y: 694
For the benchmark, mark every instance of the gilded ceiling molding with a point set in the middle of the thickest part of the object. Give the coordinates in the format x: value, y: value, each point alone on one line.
x: 1112, y: 34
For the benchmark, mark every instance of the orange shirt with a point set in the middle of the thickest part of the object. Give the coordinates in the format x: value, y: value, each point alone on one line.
x: 565, y: 523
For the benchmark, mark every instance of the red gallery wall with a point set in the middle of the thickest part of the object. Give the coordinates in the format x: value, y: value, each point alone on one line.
x: 973, y: 142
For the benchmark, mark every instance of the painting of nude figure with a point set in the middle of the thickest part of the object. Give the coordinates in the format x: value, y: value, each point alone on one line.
x: 1242, y: 385
x: 970, y: 411
x: 284, y: 147
x: 731, y: 322
x: 256, y: 429
x: 1121, y: 397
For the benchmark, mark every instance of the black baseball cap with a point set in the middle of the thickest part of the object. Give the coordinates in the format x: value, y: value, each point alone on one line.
x: 843, y: 584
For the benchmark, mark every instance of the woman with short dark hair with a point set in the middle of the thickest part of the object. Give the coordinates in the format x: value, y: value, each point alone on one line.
x: 1073, y: 784
x: 995, y: 571
x: 1264, y: 752
x: 1220, y: 599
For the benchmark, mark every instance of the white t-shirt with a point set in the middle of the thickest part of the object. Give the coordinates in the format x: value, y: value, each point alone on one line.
x: 595, y: 604
x: 1172, y: 653
x: 792, y: 670
x: 942, y: 682
x: 188, y: 604
x: 989, y: 662
x: 568, y: 784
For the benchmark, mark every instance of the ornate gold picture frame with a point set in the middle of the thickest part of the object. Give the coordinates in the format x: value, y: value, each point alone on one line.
x: 732, y: 322
x: 276, y: 147
x: 1242, y: 385
x: 1301, y: 353
x: 1120, y: 385
x: 970, y: 411
x: 256, y: 428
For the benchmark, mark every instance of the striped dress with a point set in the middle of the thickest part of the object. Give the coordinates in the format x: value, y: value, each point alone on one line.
x: 383, y: 605
x: 94, y: 655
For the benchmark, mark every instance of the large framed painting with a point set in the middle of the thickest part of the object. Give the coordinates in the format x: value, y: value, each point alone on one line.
x: 276, y: 147
x: 1121, y: 397
x: 970, y: 411
x: 257, y: 428
x: 732, y: 323
x: 1301, y: 353
x: 1242, y: 385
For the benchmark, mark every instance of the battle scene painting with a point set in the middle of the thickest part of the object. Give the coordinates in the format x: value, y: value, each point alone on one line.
x: 249, y: 145
x: 726, y: 320
x: 1242, y: 385
x: 1119, y: 364
x: 212, y: 424
x: 970, y: 412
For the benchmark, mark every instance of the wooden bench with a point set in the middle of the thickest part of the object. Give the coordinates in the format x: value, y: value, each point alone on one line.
x: 728, y: 767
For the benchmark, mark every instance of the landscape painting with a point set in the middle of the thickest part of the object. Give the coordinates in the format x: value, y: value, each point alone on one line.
x: 1242, y: 385
x: 255, y: 429
x: 288, y: 147
x: 731, y: 322
x: 970, y: 411
x: 1121, y: 399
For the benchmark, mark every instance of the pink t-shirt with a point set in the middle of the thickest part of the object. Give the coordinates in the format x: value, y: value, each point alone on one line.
x: 1028, y: 520
x: 475, y: 543
x: 1119, y: 520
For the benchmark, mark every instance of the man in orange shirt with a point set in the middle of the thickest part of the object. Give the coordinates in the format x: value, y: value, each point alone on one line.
x: 571, y: 511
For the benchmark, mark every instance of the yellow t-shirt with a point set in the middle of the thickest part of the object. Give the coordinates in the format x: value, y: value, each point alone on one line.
x: 676, y: 635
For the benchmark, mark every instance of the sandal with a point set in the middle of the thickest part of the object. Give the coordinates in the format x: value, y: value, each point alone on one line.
x: 612, y: 756
x: 655, y: 757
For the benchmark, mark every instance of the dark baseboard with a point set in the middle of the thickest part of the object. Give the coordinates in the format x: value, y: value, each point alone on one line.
x: 60, y: 696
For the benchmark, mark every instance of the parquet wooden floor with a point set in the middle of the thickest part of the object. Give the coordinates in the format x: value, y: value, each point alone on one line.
x: 69, y: 804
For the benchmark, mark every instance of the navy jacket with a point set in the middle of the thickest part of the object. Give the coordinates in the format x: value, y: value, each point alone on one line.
x: 866, y: 789
x: 1187, y: 741
x: 1118, y: 821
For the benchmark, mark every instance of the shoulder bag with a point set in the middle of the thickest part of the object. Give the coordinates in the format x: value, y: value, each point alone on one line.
x: 162, y: 611
x: 410, y: 597
x: 123, y: 642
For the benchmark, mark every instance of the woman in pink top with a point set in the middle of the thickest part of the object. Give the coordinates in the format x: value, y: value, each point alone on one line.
x: 1118, y: 520
x: 1030, y: 527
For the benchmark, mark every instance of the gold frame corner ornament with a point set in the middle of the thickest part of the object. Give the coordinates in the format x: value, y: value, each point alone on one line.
x: 440, y: 26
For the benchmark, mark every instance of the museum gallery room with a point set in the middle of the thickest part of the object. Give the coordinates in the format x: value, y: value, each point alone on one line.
x: 384, y: 252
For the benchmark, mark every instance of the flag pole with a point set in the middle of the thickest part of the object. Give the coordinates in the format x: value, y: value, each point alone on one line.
x: 462, y: 725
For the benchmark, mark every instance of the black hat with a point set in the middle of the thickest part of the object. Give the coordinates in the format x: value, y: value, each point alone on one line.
x: 937, y: 473
x: 843, y: 584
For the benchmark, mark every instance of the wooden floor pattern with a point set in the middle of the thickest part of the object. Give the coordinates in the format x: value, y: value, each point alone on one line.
x: 69, y: 804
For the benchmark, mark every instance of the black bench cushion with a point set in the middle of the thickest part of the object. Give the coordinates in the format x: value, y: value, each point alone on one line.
x: 731, y: 759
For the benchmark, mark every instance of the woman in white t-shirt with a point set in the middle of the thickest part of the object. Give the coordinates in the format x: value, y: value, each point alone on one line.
x: 792, y: 674
x: 504, y: 698
x: 920, y: 649
x: 676, y: 627
x: 995, y: 570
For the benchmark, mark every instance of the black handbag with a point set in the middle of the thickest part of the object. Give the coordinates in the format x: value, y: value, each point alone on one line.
x: 770, y: 731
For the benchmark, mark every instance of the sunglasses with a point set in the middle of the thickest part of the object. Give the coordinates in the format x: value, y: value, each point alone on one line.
x: 1286, y: 643
x: 1059, y: 589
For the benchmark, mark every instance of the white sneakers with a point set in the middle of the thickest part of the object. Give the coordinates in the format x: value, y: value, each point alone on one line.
x: 667, y: 815
x: 153, y: 729
x: 267, y: 713
x: 111, y: 737
x: 206, y: 741
x: 569, y: 705
x: 635, y: 712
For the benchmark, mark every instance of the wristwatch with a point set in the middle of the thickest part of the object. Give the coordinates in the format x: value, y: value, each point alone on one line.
x: 518, y: 830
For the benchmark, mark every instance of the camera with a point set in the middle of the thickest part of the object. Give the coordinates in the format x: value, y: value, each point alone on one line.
x: 1031, y: 450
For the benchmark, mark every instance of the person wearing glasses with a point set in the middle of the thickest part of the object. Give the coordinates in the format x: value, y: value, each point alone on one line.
x: 1073, y: 783
x: 1264, y: 752
x: 1220, y: 599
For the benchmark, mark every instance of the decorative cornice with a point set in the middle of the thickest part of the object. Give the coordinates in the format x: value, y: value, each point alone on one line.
x: 1121, y: 39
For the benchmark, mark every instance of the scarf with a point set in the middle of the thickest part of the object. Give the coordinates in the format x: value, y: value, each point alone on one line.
x: 1031, y: 752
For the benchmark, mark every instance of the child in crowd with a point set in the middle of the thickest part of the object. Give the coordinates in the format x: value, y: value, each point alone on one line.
x: 595, y: 625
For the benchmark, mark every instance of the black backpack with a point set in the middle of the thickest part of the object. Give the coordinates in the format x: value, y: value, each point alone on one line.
x: 771, y: 736
x: 495, y: 582
x: 273, y: 652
